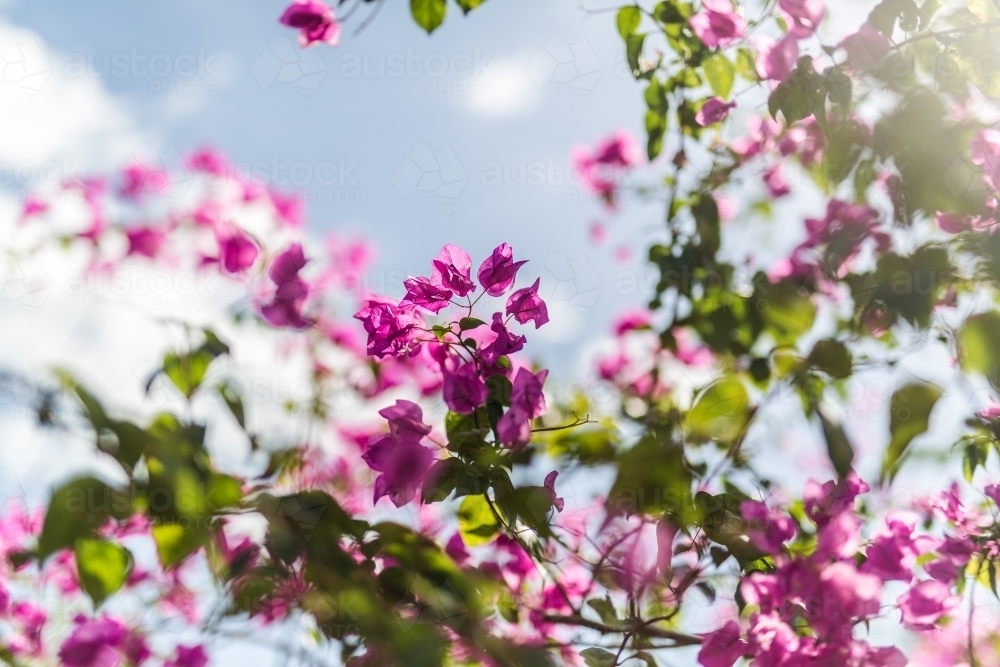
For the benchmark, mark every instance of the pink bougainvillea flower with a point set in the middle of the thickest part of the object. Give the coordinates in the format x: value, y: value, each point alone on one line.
x: 776, y: 60
x: 525, y: 305
x: 189, y: 656
x: 456, y: 549
x: 464, y: 390
x: 285, y: 307
x: 452, y: 270
x: 498, y: 271
x: 236, y: 251
x: 315, y: 21
x: 550, y: 484
x: 33, y: 205
x: 102, y: 642
x: 601, y: 171
x: 714, y: 110
x: 986, y: 154
x: 894, y: 551
x: 774, y: 179
x: 145, y: 241
x: 723, y: 647
x: 422, y: 293
x: 406, y: 418
x: 717, y: 25
x: 992, y: 492
x: 527, y: 401
x: 804, y: 16
x: 390, y: 329
x: 866, y: 48
x: 768, y: 529
x: 138, y: 179
x: 925, y: 603
x: 208, y: 161
x: 631, y: 320
x: 403, y: 462
x: 288, y: 207
x: 505, y: 342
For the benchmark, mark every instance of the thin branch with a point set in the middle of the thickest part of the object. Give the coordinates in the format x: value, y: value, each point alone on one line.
x: 679, y: 638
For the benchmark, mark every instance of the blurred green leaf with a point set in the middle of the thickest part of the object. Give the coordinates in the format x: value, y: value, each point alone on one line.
x: 909, y: 416
x: 476, y: 521
x: 720, y: 74
x: 102, y: 567
x: 721, y: 411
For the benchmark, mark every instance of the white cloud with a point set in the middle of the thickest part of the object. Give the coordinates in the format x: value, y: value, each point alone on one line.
x: 54, y: 121
x: 506, y: 91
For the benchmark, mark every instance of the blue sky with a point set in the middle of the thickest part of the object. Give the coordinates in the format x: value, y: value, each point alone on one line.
x: 504, y: 92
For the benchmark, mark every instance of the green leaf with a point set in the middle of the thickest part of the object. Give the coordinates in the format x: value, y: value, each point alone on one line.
x: 187, y: 371
x: 721, y: 411
x: 980, y: 345
x: 102, y: 567
x: 234, y: 402
x: 909, y: 416
x: 720, y: 74
x: 633, y: 50
x: 476, y: 521
x: 598, y: 657
x: 746, y: 65
x: 451, y: 474
x: 628, y: 20
x: 796, y: 96
x: 468, y: 5
x: 838, y: 447
x: 605, y: 610
x: 175, y: 542
x: 469, y: 323
x: 429, y: 14
x: 77, y: 510
x: 838, y: 85
x: 832, y: 357
x: 656, y: 128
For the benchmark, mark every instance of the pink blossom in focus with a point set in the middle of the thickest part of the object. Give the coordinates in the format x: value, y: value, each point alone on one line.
x: 498, y: 271
x: 464, y: 390
x: 422, y: 293
x: 315, y: 21
x: 452, y: 270
x: 526, y: 306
